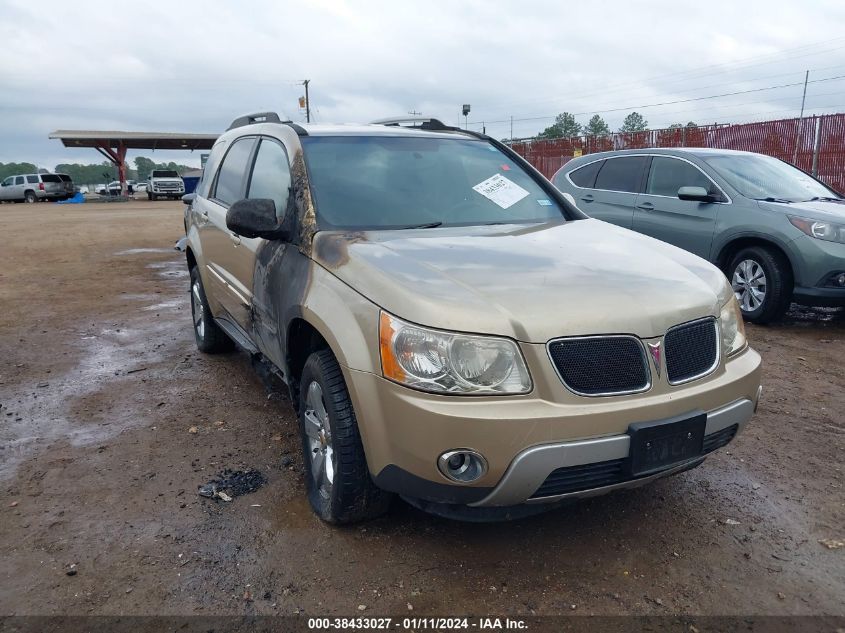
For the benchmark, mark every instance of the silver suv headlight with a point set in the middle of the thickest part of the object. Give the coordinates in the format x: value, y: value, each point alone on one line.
x: 828, y: 231
x: 449, y: 362
x: 732, y: 327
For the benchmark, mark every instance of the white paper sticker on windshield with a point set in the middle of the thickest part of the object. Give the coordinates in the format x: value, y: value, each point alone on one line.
x: 500, y: 190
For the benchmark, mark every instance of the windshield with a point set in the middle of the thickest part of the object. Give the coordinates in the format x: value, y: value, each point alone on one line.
x: 165, y: 173
x: 759, y: 177
x: 402, y: 182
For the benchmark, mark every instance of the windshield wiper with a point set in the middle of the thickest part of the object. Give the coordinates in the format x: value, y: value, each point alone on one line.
x: 824, y: 199
x: 771, y: 199
x: 427, y: 225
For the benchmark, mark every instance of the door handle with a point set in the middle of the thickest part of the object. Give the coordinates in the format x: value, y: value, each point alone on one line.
x: 587, y: 198
x: 236, y: 240
x: 646, y: 206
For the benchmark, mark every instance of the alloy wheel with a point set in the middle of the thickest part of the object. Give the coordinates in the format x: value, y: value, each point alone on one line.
x: 197, y: 310
x: 749, y: 284
x: 318, y: 434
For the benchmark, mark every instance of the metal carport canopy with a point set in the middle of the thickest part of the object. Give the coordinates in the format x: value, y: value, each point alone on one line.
x: 113, y: 144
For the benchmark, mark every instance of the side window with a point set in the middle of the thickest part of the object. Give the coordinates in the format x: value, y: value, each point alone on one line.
x: 670, y: 174
x: 271, y: 175
x: 32, y: 179
x: 622, y: 174
x: 586, y: 176
x: 18, y: 180
x: 231, y: 177
x: 10, y: 180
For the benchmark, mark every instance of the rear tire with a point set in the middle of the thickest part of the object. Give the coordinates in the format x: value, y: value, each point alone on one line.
x: 29, y: 197
x: 337, y: 478
x: 762, y: 280
x: 209, y: 337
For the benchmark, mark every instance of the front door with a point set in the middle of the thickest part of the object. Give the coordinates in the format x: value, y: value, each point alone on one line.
x: 221, y: 248
x: 687, y: 224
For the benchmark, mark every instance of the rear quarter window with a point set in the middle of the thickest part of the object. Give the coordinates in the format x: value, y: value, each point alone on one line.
x: 32, y: 179
x: 586, y: 176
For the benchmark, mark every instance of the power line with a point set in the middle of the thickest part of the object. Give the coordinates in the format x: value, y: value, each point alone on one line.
x: 664, y: 103
x: 696, y: 73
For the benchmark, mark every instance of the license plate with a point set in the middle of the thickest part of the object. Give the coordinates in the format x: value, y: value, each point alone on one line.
x: 658, y: 445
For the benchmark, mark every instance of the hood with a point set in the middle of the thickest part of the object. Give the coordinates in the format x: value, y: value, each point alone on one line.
x: 532, y: 284
x: 817, y: 210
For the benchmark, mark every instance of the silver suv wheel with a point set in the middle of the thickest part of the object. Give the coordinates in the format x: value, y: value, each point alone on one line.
x: 197, y: 310
x: 318, y: 432
x: 749, y: 284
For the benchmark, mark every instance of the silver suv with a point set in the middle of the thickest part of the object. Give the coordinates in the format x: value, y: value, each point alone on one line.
x: 36, y: 187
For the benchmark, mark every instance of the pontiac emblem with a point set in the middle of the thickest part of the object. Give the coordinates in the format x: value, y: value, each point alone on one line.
x: 654, y: 348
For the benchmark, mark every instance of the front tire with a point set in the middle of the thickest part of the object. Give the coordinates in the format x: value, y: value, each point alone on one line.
x: 762, y: 281
x: 209, y: 337
x: 152, y: 197
x: 337, y: 479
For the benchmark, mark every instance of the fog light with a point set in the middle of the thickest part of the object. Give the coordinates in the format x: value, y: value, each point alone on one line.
x: 840, y: 279
x: 462, y: 465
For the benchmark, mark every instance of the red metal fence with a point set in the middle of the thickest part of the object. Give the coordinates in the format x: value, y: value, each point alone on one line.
x: 820, y: 144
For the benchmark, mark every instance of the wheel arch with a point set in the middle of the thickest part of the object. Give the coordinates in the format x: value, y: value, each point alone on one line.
x: 738, y: 242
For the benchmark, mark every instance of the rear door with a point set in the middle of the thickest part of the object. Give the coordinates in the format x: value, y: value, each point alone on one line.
x: 68, y: 184
x: 614, y: 193
x: 218, y: 242
x: 659, y: 213
x: 53, y: 185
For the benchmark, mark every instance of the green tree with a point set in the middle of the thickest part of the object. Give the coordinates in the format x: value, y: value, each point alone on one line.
x: 597, y: 127
x: 143, y: 166
x: 634, y: 122
x: 13, y: 169
x: 564, y: 126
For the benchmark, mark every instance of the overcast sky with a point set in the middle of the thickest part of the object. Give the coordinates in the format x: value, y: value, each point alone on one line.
x: 194, y: 66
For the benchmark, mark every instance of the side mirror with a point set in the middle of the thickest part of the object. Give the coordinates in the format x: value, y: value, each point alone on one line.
x: 188, y: 198
x: 699, y: 194
x: 256, y: 218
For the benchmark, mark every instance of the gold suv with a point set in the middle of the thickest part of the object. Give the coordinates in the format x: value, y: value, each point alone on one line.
x: 451, y: 327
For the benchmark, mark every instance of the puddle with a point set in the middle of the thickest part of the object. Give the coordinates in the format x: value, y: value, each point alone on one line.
x: 138, y: 251
x: 45, y: 414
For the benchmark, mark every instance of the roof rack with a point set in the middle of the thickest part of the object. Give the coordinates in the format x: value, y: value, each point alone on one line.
x: 423, y: 123
x: 257, y: 117
x: 265, y: 117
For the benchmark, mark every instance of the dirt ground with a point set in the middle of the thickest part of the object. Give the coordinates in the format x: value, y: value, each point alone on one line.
x: 100, y: 384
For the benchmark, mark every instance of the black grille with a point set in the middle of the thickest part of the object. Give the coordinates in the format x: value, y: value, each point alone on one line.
x: 600, y: 365
x: 588, y: 476
x: 691, y: 350
x: 719, y: 439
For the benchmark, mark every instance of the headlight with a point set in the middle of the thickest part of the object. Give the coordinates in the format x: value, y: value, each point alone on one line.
x: 446, y: 362
x: 732, y: 327
x: 828, y: 231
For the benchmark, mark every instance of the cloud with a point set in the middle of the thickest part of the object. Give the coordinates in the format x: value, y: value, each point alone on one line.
x: 193, y: 66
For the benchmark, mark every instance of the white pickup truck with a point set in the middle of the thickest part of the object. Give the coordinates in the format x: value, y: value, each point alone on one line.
x: 164, y: 183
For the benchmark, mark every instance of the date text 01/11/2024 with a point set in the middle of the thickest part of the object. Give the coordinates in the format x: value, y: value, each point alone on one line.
x: 416, y: 624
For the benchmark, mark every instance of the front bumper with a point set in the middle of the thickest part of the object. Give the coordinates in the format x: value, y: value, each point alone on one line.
x: 405, y: 431
x: 524, y: 480
x: 816, y: 261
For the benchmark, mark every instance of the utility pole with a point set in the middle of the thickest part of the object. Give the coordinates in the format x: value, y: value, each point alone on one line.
x: 413, y: 112
x: 307, y: 101
x: 511, y: 136
x: 800, y: 120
